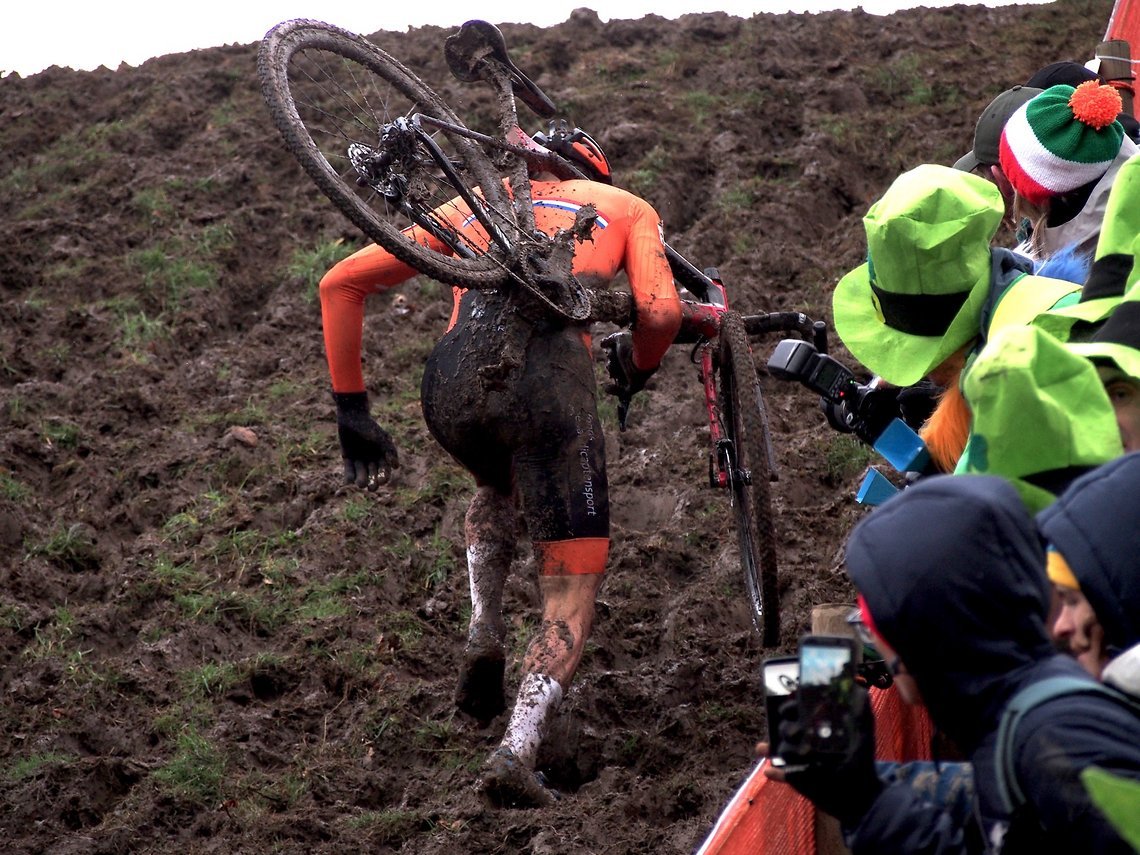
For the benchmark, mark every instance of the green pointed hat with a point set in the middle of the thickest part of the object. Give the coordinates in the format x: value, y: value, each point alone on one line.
x: 1117, y: 341
x: 920, y: 294
x: 1115, y: 266
x: 1041, y: 415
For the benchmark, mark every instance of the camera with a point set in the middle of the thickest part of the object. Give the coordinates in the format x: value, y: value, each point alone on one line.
x: 826, y: 694
x: 798, y: 360
x: 864, y: 409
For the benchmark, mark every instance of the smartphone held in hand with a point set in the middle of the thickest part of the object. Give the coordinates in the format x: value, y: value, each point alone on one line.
x: 826, y: 694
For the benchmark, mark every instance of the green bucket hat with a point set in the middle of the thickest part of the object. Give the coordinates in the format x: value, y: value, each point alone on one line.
x: 1041, y: 415
x: 1118, y: 339
x: 919, y: 296
x: 1116, y: 266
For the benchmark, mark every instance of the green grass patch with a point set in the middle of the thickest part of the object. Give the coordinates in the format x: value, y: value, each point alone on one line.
x: 196, y: 772
x: 69, y: 547
x: 388, y: 827
x: 309, y: 265
x: 22, y: 768
x: 61, y: 433
x: 212, y: 679
x: 846, y: 457
x: 403, y: 628
x: 12, y: 488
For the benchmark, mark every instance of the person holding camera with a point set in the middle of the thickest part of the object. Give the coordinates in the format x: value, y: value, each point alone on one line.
x: 933, y: 289
x: 951, y: 582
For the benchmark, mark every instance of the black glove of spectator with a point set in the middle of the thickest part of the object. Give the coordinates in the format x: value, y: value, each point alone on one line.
x: 369, y: 453
x: 917, y: 402
x: 844, y: 787
x: 626, y: 378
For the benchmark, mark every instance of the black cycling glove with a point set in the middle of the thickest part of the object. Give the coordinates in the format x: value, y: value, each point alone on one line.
x: 843, y: 786
x: 626, y: 379
x: 369, y: 453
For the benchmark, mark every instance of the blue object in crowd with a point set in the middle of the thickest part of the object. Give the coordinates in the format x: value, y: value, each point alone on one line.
x: 875, y: 488
x: 902, y: 447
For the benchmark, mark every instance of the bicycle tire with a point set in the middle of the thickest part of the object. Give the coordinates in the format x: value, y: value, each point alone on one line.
x: 746, y: 427
x: 328, y: 89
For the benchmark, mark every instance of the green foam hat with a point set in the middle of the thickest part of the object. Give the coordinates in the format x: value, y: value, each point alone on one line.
x: 1116, y: 265
x: 1041, y: 415
x: 1117, y: 341
x: 919, y: 297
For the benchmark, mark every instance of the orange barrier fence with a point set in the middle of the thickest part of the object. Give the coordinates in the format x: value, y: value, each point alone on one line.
x: 1124, y: 23
x: 768, y: 818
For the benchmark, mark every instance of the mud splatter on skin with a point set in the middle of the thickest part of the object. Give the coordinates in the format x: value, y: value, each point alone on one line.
x: 491, y: 529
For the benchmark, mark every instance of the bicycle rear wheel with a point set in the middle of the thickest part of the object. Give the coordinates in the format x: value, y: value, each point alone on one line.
x: 344, y: 107
x: 746, y: 426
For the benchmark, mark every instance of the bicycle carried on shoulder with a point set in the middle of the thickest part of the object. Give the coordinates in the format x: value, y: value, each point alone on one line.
x: 402, y: 166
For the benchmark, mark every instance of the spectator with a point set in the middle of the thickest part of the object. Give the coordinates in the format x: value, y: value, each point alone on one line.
x: 951, y: 582
x: 1074, y: 74
x: 1115, y: 349
x: 1114, y: 267
x: 987, y: 138
x: 1041, y: 415
x: 933, y: 289
x: 1060, y: 152
x: 1094, y: 562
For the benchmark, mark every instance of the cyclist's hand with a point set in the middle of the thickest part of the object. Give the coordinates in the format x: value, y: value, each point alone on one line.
x: 626, y: 379
x: 369, y: 453
x: 843, y: 786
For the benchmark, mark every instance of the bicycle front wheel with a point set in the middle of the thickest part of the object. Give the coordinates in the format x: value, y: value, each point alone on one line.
x: 345, y: 109
x: 746, y: 427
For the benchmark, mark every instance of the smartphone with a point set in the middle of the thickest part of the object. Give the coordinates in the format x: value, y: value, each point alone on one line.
x: 780, y: 676
x: 826, y: 693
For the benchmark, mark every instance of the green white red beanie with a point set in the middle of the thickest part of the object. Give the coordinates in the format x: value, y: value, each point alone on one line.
x: 1061, y: 140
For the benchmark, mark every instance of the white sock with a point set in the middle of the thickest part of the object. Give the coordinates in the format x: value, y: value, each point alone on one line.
x: 539, y: 696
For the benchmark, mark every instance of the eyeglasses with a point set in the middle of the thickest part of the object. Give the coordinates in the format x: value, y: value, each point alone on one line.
x: 870, y: 643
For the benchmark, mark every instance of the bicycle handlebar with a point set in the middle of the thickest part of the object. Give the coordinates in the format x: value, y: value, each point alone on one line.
x: 701, y: 320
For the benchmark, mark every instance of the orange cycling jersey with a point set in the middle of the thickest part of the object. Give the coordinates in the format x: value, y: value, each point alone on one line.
x: 626, y: 235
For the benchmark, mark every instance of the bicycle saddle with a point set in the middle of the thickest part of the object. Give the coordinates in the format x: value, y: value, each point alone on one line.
x: 468, y: 50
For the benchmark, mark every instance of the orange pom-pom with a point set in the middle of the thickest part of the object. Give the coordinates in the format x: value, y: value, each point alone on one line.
x: 1095, y: 105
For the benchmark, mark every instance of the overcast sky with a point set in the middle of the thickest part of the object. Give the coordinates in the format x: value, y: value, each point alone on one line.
x: 84, y: 34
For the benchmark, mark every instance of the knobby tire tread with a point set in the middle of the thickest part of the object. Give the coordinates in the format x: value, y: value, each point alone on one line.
x: 746, y: 425
x: 274, y: 54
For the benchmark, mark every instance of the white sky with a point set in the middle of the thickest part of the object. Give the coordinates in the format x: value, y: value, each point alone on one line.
x: 84, y: 34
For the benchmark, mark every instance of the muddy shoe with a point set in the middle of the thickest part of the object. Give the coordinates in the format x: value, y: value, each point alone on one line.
x: 480, y: 690
x: 507, y: 783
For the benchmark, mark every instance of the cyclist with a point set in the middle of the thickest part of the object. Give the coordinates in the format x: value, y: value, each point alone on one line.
x: 513, y: 399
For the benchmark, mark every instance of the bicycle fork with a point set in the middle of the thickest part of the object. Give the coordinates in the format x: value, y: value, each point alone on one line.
x: 722, y: 456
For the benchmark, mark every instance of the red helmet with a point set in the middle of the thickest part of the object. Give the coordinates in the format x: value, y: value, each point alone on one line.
x: 578, y: 147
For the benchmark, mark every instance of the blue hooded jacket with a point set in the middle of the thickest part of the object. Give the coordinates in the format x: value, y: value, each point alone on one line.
x: 952, y: 571
x: 1095, y: 524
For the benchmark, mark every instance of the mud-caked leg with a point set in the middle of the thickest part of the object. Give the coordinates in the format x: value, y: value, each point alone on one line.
x: 551, y: 660
x: 491, y: 528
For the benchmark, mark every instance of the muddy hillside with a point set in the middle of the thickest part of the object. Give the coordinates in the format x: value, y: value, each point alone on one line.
x: 207, y: 643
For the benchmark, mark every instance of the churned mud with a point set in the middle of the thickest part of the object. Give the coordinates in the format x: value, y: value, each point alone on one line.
x: 208, y: 643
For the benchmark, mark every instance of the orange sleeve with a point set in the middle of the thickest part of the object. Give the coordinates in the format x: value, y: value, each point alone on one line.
x: 656, y: 304
x: 343, y: 290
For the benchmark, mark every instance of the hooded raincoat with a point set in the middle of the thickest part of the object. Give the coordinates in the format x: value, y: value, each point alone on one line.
x: 952, y: 571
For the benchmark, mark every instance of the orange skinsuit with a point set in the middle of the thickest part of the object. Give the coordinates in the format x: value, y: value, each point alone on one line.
x: 626, y: 235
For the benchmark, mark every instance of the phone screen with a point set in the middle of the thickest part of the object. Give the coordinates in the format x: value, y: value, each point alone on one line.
x: 826, y: 686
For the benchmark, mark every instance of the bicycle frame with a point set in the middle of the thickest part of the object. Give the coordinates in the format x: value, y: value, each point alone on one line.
x: 700, y: 323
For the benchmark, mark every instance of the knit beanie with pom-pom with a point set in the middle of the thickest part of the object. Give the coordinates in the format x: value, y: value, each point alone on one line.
x: 1061, y: 140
